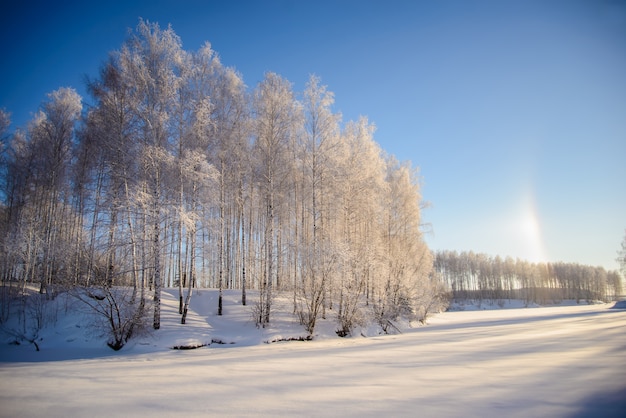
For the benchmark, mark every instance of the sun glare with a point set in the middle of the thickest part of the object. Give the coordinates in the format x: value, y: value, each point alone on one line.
x: 529, y: 228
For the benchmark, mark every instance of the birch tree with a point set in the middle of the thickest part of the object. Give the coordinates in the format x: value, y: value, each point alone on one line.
x: 361, y: 186
x: 409, y: 290
x: 50, y: 142
x: 276, y: 114
x: 151, y: 59
x: 319, y: 253
x: 228, y: 139
x: 115, y: 288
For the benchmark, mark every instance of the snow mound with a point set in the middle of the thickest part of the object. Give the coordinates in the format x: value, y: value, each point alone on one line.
x: 68, y: 335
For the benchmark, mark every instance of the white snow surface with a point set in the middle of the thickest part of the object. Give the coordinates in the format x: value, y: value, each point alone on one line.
x: 565, y: 361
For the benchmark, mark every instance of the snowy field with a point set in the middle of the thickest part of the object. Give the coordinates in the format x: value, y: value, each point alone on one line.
x: 551, y: 362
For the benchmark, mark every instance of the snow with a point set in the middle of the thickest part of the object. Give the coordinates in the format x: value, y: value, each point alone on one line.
x: 547, y: 361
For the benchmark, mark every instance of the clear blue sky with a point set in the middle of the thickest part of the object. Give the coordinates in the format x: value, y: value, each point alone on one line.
x: 515, y: 111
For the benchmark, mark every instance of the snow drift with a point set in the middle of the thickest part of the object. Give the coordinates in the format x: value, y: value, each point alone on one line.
x: 557, y: 361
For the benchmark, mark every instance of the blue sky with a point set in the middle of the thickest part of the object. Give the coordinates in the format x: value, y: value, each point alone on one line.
x: 515, y: 111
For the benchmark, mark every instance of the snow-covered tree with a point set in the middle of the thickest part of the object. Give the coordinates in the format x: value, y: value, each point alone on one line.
x: 43, y: 158
x: 150, y: 62
x: 408, y: 289
x: 316, y: 241
x: 276, y: 114
x: 227, y: 145
x: 361, y: 184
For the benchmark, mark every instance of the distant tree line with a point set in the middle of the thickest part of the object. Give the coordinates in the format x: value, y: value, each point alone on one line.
x: 177, y: 174
x: 479, y: 277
